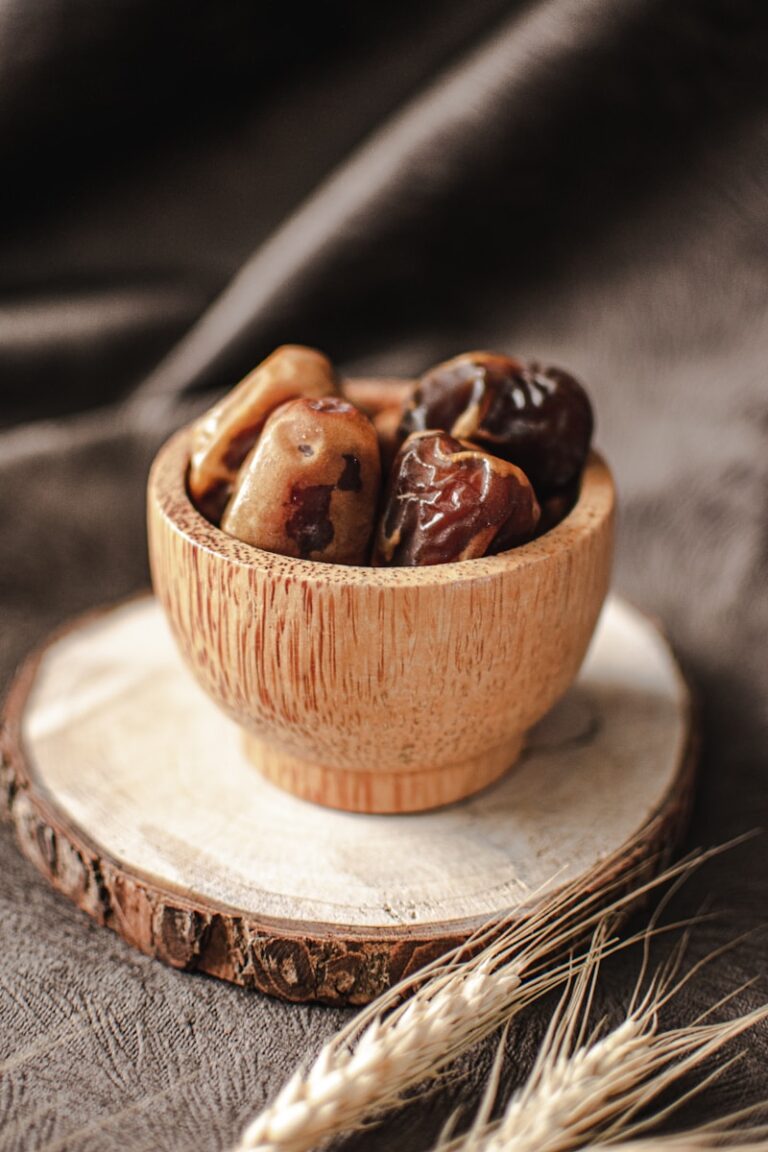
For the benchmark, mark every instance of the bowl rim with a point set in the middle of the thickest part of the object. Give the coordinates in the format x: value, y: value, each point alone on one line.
x: 167, y: 495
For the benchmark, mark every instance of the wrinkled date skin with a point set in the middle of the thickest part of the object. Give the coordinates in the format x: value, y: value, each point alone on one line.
x: 448, y: 501
x: 223, y: 436
x: 309, y: 488
x: 537, y: 418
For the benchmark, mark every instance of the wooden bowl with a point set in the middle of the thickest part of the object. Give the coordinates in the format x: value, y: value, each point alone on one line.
x: 379, y: 690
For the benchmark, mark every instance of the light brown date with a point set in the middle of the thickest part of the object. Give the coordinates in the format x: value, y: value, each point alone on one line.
x: 223, y: 436
x: 448, y: 500
x: 309, y: 488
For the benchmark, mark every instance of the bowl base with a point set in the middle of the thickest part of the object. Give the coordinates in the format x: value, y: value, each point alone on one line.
x: 376, y: 790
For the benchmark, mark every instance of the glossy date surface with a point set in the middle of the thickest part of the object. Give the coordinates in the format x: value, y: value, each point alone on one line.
x: 537, y: 418
x: 448, y: 500
x: 223, y: 436
x: 309, y: 488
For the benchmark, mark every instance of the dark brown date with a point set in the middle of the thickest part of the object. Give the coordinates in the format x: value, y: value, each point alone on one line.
x: 309, y: 488
x: 448, y: 500
x: 537, y: 418
x: 223, y: 436
x: 556, y: 507
x: 387, y: 425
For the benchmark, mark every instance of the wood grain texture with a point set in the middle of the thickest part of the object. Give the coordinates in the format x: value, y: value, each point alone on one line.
x: 129, y: 790
x: 380, y: 690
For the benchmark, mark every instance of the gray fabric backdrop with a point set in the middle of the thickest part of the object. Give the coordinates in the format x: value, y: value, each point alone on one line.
x: 577, y: 180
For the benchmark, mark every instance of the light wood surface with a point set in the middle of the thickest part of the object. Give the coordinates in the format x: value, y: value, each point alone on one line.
x: 130, y: 791
x: 380, y: 690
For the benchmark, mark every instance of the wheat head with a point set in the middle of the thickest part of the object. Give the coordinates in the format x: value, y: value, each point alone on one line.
x: 412, y: 1032
x: 589, y: 1091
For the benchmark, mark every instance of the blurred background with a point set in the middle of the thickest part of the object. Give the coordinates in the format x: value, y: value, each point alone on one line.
x: 186, y: 185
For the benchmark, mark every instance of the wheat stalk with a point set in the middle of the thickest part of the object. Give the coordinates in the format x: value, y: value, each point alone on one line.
x: 392, y: 1054
x: 588, y: 1091
x: 697, y: 1140
x: 724, y: 1133
x: 397, y: 1043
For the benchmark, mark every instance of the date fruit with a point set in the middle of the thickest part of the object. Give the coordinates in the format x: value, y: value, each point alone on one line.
x: 387, y: 425
x: 537, y: 418
x: 309, y: 489
x: 223, y: 436
x: 556, y: 507
x: 448, y: 500
x: 374, y: 394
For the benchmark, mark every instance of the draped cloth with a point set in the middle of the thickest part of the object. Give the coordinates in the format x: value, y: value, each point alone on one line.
x: 186, y: 186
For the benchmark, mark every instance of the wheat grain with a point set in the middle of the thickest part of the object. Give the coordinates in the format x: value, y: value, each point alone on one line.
x: 588, y: 1092
x: 390, y: 1056
x: 394, y: 1045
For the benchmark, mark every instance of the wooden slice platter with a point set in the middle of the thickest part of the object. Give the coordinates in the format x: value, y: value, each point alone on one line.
x: 130, y: 791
